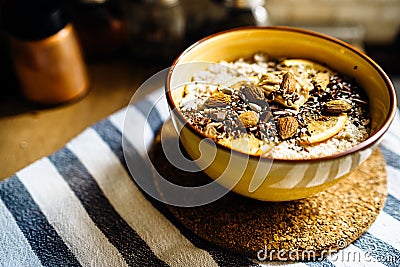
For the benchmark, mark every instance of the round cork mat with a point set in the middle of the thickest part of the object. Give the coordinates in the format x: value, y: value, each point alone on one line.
x: 328, y: 221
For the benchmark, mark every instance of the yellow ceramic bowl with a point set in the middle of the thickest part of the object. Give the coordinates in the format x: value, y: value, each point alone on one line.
x: 286, y: 179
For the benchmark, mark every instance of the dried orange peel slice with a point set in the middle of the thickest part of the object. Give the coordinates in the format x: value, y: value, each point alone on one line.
x: 248, y: 144
x: 324, y: 128
x: 321, y: 73
x: 307, y: 64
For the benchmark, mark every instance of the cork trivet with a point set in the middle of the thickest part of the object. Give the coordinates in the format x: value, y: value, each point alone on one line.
x: 325, y: 222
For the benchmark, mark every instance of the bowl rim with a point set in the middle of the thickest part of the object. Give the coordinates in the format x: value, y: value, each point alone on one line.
x: 371, y: 140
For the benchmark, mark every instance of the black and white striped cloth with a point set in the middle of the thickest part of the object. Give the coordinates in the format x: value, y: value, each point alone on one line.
x: 80, y: 207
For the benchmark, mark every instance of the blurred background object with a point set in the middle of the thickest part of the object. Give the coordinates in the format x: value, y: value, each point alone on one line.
x: 45, y: 51
x: 227, y: 14
x: 380, y: 18
x: 102, y: 25
x: 8, y: 81
x: 157, y: 29
x: 240, y: 13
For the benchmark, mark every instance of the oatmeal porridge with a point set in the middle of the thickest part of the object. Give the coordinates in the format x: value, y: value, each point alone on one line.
x: 292, y: 108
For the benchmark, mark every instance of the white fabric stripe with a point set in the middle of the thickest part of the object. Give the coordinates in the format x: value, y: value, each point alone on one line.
x: 158, y: 97
x: 352, y: 256
x: 66, y: 214
x: 162, y: 237
x: 391, y: 139
x: 15, y: 249
x: 384, y: 228
x: 393, y: 180
x: 395, y: 127
x: 118, y: 117
x: 134, y: 127
x: 391, y: 142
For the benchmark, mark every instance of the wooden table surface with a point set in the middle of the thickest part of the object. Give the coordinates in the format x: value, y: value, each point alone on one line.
x: 28, y: 133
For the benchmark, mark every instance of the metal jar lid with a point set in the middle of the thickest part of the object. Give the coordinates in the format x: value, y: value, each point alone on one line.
x: 34, y: 20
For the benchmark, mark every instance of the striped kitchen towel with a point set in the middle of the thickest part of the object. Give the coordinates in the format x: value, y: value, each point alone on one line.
x: 80, y: 207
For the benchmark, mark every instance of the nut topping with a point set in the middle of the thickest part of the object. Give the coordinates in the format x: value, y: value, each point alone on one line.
x: 218, y: 100
x: 295, y: 99
x: 287, y: 126
x: 288, y: 85
x: 301, y: 107
x: 337, y: 106
x: 249, y: 118
x: 218, y: 115
x: 252, y: 93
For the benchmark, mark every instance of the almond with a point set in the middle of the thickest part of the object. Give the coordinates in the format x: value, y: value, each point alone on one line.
x: 297, y: 98
x: 249, y: 118
x: 218, y: 100
x: 337, y: 106
x: 288, y: 85
x: 252, y: 93
x: 287, y: 126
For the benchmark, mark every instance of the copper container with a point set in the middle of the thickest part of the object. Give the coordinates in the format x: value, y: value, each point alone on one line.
x: 46, y: 54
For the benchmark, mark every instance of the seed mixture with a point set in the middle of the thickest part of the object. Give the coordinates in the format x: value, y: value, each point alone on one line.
x: 293, y: 108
